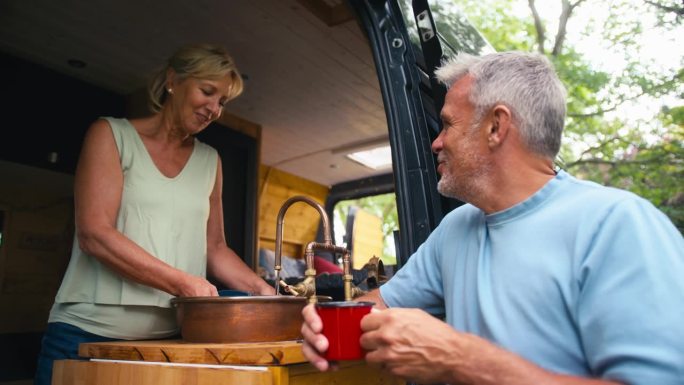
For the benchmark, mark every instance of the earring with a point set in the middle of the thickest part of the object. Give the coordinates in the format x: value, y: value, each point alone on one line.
x: 169, y: 90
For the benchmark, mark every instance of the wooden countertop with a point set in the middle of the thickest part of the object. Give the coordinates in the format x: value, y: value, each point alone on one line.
x: 177, y: 351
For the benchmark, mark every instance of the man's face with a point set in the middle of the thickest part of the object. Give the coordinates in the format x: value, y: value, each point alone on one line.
x: 461, y: 146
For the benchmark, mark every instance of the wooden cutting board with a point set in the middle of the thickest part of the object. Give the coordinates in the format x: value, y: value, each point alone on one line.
x: 257, y: 353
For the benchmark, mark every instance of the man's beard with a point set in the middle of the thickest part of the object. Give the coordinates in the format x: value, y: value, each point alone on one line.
x: 467, y: 186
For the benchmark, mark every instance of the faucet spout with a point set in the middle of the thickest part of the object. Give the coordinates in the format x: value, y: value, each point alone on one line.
x: 308, y: 286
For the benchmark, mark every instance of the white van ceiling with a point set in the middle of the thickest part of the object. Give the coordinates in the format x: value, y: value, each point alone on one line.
x: 312, y: 87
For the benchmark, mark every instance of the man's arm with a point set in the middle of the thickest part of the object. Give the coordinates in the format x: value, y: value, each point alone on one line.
x: 373, y: 296
x: 418, y: 347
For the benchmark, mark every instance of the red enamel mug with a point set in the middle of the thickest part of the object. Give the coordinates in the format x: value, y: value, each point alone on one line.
x: 342, y: 328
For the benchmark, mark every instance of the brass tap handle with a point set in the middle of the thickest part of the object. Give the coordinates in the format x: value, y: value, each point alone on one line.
x: 305, y: 288
x: 288, y: 288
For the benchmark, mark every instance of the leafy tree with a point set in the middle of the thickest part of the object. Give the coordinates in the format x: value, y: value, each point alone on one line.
x: 605, y: 141
x: 602, y: 142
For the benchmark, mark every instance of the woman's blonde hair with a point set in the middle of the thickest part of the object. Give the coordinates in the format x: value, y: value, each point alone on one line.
x: 200, y: 61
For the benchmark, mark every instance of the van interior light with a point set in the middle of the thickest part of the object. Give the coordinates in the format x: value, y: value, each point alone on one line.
x: 377, y: 158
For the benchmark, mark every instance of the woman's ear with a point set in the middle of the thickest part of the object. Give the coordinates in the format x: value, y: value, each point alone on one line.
x: 170, y: 77
x: 500, y: 126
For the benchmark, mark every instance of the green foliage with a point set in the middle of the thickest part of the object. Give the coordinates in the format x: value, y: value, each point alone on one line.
x: 604, y: 141
x: 494, y: 20
x: 643, y: 155
x: 385, y: 207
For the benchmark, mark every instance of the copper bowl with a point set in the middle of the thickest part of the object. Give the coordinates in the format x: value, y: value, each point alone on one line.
x: 240, y: 319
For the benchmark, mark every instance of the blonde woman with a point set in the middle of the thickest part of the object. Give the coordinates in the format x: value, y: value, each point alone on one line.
x: 149, y: 217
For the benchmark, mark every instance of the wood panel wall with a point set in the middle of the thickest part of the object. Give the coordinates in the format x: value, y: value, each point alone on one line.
x: 36, y: 244
x: 301, y: 220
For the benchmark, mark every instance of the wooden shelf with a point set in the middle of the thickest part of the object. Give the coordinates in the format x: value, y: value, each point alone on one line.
x: 177, y: 351
x: 174, y: 362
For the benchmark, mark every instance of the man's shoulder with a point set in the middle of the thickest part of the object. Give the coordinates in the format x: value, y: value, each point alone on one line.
x: 586, y: 198
x: 591, y: 193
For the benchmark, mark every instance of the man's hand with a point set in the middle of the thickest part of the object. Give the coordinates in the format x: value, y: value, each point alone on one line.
x: 412, y: 344
x: 315, y: 343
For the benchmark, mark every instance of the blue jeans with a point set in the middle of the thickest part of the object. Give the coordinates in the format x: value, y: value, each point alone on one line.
x: 60, y: 342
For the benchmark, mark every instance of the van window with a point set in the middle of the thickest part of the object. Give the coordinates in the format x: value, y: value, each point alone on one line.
x: 455, y: 32
x: 366, y: 226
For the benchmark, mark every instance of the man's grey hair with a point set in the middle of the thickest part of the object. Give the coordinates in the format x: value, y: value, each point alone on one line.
x: 524, y: 82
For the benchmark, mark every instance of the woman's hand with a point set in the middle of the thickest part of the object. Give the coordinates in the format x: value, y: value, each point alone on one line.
x: 194, y: 286
x: 265, y: 289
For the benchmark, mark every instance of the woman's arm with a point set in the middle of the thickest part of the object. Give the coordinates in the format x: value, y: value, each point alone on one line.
x: 97, y: 193
x: 222, y: 262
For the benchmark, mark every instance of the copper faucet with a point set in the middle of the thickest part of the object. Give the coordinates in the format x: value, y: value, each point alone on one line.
x: 308, y: 286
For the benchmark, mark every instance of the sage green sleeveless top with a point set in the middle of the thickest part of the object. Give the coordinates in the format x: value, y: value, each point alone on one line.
x: 165, y: 216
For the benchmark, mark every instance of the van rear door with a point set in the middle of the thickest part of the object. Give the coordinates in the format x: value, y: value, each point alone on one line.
x: 407, y: 44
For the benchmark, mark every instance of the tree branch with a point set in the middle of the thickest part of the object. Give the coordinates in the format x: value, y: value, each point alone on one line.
x: 539, y: 26
x: 602, y: 145
x: 679, y: 11
x: 648, y: 159
x: 665, y: 84
x: 598, y: 112
x: 563, y: 24
x: 613, y: 163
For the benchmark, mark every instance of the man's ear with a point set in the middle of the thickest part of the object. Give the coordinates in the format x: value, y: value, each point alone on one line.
x: 502, y: 120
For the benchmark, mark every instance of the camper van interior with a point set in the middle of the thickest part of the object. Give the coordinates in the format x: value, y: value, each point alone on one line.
x: 319, y: 117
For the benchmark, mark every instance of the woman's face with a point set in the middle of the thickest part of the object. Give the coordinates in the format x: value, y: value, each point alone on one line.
x: 198, y: 102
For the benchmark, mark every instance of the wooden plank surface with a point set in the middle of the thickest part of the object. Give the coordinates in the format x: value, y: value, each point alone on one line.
x: 348, y: 373
x: 177, y: 351
x: 71, y: 372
